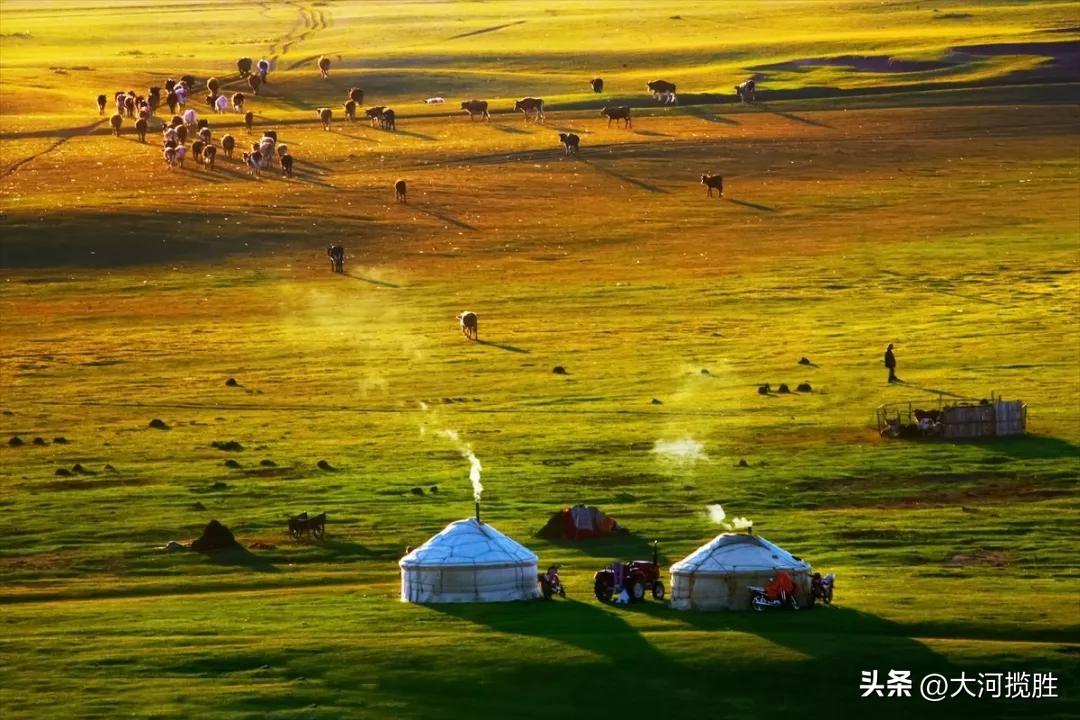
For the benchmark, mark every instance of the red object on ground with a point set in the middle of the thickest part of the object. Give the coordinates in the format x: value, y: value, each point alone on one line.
x: 781, y: 586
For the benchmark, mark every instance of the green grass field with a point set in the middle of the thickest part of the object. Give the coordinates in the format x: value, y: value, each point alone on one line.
x: 909, y: 175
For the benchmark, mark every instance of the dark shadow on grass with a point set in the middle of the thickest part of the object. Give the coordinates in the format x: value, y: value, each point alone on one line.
x: 651, y: 133
x: 240, y: 557
x: 625, y: 178
x: 373, y: 281
x: 445, y: 218
x: 502, y: 346
x: 935, y: 391
x: 410, y: 133
x: 752, y: 206
x: 705, y: 114
x: 510, y: 129
x: 796, y: 118
x: 1034, y: 447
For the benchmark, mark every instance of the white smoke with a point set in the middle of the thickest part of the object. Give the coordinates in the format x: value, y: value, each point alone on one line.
x: 719, y: 517
x: 684, y: 450
x: 474, y: 462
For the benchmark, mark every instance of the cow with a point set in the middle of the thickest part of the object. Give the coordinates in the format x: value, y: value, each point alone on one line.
x: 208, y: 154
x: 286, y: 165
x: 211, y: 98
x: 181, y: 91
x: 243, y: 66
x: 713, y: 182
x: 531, y: 105
x: 324, y: 68
x: 356, y: 95
x: 399, y: 191
x: 570, y: 142
x: 662, y: 90
x: 153, y: 100
x: 196, y: 150
x: 181, y: 153
x: 101, y: 102
x: 325, y: 116
x: 597, y: 85
x: 117, y: 121
x: 181, y: 133
x: 129, y: 106
x: 264, y: 68
x: 205, y: 134
x: 190, y: 118
x: 476, y: 107
x: 228, y: 144
x: 350, y: 111
x: 140, y: 129
x: 746, y: 91
x: 388, y: 120
x: 616, y: 113
x: 337, y: 257
x: 253, y: 161
x: 469, y: 326
x: 374, y: 114
x: 238, y: 101
x: 249, y: 120
x: 168, y: 135
x: 221, y: 103
x: 169, y: 154
x: 254, y: 81
x: 173, y: 101
x: 213, y: 86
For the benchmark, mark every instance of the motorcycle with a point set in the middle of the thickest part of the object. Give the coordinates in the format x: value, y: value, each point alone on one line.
x: 821, y: 588
x: 550, y: 584
x: 761, y: 602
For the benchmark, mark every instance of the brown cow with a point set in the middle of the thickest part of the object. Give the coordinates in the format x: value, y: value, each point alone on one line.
x: 713, y: 182
x: 325, y: 115
x: 228, y: 144
x: 531, y: 105
x: 101, y: 100
x: 476, y: 107
x: 238, y: 101
x: 616, y: 113
x: 324, y: 67
x: 209, y: 153
x: 140, y: 129
x: 388, y: 121
x: 249, y: 120
x: 399, y: 191
x: 117, y: 121
x: 356, y: 95
x: 254, y: 81
x: 597, y: 85
x: 374, y: 114
x: 662, y: 90
x: 286, y: 165
x: 570, y: 142
x: 350, y: 111
x: 243, y: 66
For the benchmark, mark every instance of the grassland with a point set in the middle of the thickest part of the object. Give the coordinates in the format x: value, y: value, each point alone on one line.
x: 932, y: 204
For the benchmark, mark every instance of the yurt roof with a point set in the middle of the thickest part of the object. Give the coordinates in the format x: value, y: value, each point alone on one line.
x: 468, y: 543
x: 732, y: 552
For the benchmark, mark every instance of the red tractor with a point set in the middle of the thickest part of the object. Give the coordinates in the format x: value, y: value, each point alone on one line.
x: 636, y: 577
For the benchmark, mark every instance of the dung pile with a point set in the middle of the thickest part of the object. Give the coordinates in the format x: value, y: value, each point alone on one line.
x: 215, y: 536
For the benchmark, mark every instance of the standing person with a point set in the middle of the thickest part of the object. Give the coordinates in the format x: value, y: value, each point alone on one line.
x: 890, y: 363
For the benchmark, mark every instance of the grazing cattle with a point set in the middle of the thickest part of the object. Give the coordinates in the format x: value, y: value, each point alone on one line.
x: 228, y: 144
x: 434, y: 100
x: 173, y: 101
x: 169, y: 135
x: 356, y: 95
x: 325, y: 115
x: 208, y: 154
x: 264, y: 68
x: 181, y: 133
x: 213, y: 85
x: 176, y: 121
x: 140, y: 129
x: 531, y: 105
x: 129, y: 106
x: 400, y: 191
x: 203, y: 124
x: 153, y: 100
x: 238, y: 101
x: 662, y: 90
x: 616, y: 113
x: 254, y: 81
x: 190, y: 118
x: 181, y: 91
x: 221, y: 103
x: 169, y: 154
x: 713, y: 182
x: 188, y: 80
x: 205, y: 135
x: 388, y: 120
x: 210, y: 100
x: 282, y: 149
x: 476, y: 107
x: 350, y: 111
x: 324, y: 67
x: 243, y: 66
x: 181, y: 153
x: 101, y: 102
x: 286, y: 165
x: 337, y: 258
x: 196, y: 150
x: 597, y: 85
x: 170, y: 85
x: 117, y: 122
x: 746, y: 91
x: 570, y: 142
x: 249, y: 120
x: 253, y: 161
x: 469, y: 325
x: 272, y: 134
x: 374, y: 114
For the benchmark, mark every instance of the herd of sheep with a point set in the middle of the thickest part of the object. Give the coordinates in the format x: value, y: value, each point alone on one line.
x: 185, y: 124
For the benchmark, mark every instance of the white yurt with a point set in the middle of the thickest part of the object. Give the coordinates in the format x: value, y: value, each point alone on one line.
x: 717, y: 575
x: 469, y: 561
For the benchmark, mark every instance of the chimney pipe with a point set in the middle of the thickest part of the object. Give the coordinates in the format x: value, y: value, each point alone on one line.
x: 478, y: 511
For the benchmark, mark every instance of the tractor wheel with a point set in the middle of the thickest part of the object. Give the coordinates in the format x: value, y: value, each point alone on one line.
x: 603, y: 592
x: 658, y: 590
x: 636, y: 591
